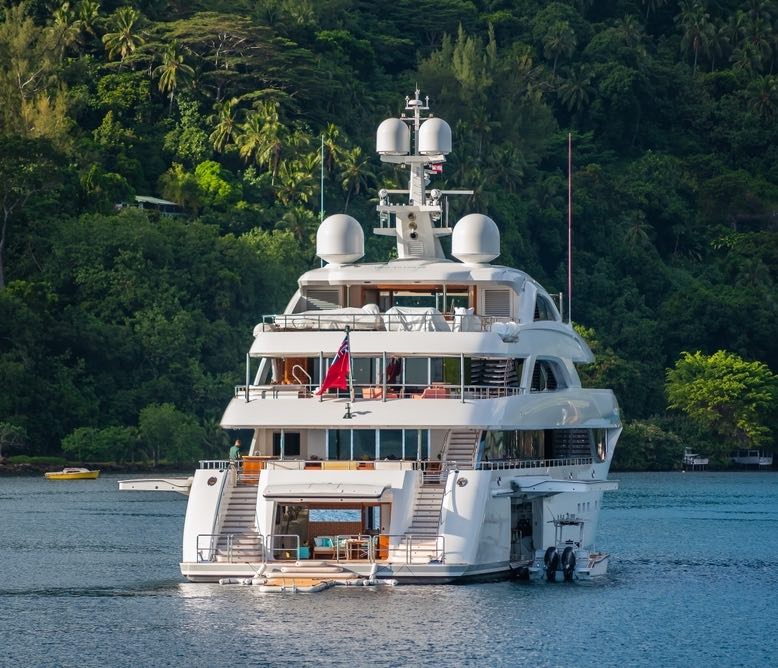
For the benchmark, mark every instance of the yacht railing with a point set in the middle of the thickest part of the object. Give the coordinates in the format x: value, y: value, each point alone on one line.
x: 533, y: 463
x: 433, y: 470
x: 371, y: 392
x: 216, y: 464
x: 401, y: 322
x: 230, y: 548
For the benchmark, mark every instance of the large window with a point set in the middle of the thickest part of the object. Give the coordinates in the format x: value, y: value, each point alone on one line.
x: 512, y: 444
x: 364, y: 444
x: 286, y: 444
x: 389, y: 444
x: 339, y: 444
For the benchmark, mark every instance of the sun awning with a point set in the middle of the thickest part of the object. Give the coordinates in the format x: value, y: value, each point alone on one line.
x: 324, y: 490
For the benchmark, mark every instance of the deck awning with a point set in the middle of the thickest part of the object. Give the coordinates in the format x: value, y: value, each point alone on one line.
x: 326, y: 491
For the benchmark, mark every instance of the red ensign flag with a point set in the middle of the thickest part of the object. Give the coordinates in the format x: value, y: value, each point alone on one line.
x: 337, y: 376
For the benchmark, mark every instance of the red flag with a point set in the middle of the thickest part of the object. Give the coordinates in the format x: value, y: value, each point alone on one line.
x: 337, y: 376
x: 436, y: 168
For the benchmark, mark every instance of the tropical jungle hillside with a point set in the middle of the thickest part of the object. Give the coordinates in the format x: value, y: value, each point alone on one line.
x: 123, y: 329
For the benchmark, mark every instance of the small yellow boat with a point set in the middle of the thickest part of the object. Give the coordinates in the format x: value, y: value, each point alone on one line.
x: 71, y: 473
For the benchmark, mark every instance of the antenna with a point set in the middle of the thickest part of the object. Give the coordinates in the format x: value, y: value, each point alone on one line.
x: 321, y: 187
x: 569, y: 229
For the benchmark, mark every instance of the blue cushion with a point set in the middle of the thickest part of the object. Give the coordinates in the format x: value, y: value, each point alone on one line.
x: 322, y: 541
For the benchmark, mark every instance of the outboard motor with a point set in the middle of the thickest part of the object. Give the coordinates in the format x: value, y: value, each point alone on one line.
x: 551, y: 561
x: 568, y: 563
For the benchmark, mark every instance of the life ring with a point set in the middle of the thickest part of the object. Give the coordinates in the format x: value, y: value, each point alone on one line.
x: 568, y: 563
x: 551, y: 560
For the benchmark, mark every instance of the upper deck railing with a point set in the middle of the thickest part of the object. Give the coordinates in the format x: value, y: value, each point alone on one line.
x: 370, y: 392
x: 430, y: 320
x: 431, y: 469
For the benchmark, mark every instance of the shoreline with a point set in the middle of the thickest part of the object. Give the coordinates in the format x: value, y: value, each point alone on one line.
x: 34, y: 469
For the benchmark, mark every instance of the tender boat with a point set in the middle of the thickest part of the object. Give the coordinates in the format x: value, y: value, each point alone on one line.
x: 567, y: 560
x: 72, y: 473
x: 418, y: 420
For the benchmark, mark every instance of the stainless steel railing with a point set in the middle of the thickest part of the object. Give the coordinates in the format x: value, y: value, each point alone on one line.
x: 372, y: 392
x: 533, y: 463
x: 239, y: 548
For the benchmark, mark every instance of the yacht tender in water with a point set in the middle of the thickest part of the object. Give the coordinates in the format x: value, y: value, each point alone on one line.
x: 463, y: 445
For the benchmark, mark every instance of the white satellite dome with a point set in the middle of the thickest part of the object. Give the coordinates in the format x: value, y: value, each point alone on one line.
x: 393, y: 137
x: 340, y: 239
x: 434, y: 137
x: 475, y: 239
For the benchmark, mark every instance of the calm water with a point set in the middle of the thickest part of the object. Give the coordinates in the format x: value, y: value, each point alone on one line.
x: 89, y: 577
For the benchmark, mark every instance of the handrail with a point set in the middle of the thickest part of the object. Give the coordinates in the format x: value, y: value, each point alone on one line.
x: 209, y: 553
x: 372, y: 392
x: 334, y: 321
x: 427, y: 466
x: 533, y: 463
x: 307, y: 375
x: 407, y: 541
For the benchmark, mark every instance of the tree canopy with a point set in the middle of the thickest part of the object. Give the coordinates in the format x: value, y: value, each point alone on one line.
x: 106, y: 310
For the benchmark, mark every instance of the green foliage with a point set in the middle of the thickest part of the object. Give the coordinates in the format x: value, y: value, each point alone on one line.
x: 46, y: 460
x: 221, y: 107
x: 170, y: 434
x: 646, y: 446
x: 110, y: 444
x: 733, y: 399
x: 12, y: 436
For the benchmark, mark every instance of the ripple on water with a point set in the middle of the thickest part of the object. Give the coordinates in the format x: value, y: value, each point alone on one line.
x: 693, y: 568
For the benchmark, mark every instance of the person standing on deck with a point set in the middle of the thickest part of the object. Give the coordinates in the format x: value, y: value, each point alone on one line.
x: 235, y: 451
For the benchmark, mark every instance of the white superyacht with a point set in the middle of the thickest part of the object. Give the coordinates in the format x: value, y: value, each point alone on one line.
x: 418, y: 420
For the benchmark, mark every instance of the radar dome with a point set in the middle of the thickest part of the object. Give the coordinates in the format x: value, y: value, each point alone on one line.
x: 393, y: 137
x: 340, y: 239
x: 475, y: 239
x: 434, y: 137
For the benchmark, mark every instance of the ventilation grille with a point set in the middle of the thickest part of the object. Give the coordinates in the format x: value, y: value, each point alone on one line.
x: 322, y: 299
x: 497, y: 303
x: 415, y: 248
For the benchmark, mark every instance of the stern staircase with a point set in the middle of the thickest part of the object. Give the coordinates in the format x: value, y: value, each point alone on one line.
x: 238, y: 540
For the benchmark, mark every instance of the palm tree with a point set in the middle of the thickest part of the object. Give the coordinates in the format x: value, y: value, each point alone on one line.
x: 355, y: 173
x: 653, y: 5
x: 559, y: 41
x: 332, y: 148
x: 697, y: 29
x: 65, y: 27
x: 126, y: 36
x: 636, y: 229
x: 88, y: 15
x: 576, y: 90
x: 226, y: 126
x: 629, y: 30
x: 262, y: 137
x: 763, y: 97
x: 295, y: 183
x: 173, y: 71
x: 301, y: 222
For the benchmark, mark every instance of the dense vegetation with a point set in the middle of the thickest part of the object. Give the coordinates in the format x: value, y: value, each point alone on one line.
x: 122, y: 330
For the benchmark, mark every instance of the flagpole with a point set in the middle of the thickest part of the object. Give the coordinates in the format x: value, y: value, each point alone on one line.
x: 350, y: 374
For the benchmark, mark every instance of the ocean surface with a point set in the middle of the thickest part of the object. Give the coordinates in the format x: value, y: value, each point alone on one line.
x: 89, y: 577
